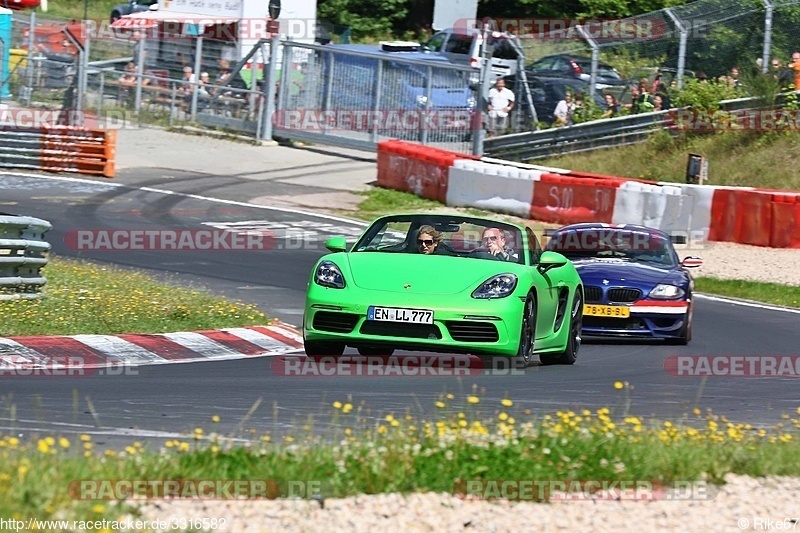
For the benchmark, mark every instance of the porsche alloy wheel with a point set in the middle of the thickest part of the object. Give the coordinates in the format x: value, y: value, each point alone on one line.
x: 570, y: 353
x: 527, y: 334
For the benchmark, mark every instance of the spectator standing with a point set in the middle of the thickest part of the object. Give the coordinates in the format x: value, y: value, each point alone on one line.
x: 635, y: 94
x: 794, y: 67
x: 501, y: 102
x: 645, y: 96
x: 564, y: 110
x: 658, y: 103
x: 613, y: 107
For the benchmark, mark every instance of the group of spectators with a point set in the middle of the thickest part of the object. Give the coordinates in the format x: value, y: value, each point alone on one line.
x: 646, y: 96
x: 206, y: 90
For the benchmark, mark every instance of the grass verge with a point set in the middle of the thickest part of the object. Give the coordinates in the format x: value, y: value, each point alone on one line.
x: 97, y: 9
x: 751, y: 158
x: 401, y: 453
x: 773, y: 293
x: 86, y: 298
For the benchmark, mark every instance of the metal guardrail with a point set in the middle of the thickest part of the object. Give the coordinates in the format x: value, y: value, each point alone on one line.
x: 578, y: 138
x: 22, y: 256
x: 604, y: 133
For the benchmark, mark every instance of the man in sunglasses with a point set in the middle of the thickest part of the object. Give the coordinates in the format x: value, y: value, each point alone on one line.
x: 494, y: 241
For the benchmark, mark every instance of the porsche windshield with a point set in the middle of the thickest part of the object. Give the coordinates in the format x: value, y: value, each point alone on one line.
x: 444, y: 235
x: 612, y: 243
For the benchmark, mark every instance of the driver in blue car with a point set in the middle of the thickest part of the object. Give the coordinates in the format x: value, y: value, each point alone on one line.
x: 494, y: 241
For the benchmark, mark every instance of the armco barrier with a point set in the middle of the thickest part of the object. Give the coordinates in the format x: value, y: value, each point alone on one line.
x: 59, y: 149
x: 22, y: 255
x: 734, y: 214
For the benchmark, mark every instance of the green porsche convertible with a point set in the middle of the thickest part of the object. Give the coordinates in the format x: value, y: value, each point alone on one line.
x: 444, y: 283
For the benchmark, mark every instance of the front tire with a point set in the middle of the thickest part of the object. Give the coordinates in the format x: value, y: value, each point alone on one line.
x: 527, y: 334
x: 685, y: 334
x: 570, y: 353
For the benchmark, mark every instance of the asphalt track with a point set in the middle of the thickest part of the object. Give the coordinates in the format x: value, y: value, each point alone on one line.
x: 168, y: 400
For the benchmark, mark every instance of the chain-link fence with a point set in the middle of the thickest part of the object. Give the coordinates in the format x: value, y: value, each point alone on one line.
x: 351, y: 95
x: 706, y: 38
x: 355, y: 96
x: 141, y: 77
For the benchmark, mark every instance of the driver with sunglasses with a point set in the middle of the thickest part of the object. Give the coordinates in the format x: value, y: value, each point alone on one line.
x: 494, y: 241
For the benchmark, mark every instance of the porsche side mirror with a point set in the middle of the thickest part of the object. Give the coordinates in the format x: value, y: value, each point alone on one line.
x: 691, y: 262
x: 550, y: 260
x: 336, y: 244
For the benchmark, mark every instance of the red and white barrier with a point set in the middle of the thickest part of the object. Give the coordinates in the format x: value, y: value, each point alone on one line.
x: 736, y: 214
x: 493, y: 187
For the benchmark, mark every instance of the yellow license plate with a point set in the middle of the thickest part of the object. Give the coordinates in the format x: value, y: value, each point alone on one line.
x: 607, y: 310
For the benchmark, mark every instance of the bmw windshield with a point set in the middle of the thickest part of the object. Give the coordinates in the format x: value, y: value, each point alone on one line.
x: 610, y: 243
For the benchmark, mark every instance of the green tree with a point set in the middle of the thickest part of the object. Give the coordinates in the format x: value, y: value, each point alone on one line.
x: 367, y: 18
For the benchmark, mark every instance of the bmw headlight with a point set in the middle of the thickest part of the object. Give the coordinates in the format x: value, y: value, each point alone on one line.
x: 422, y: 100
x: 498, y: 286
x: 666, y: 292
x: 329, y: 275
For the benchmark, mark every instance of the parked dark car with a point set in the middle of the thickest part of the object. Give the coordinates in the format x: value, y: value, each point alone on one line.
x: 547, y: 92
x: 569, y: 66
x: 132, y: 6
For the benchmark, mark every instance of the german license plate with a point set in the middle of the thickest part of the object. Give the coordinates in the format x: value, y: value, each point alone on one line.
x: 395, y: 314
x: 616, y: 311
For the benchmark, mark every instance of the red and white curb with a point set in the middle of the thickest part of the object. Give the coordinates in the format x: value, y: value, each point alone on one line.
x: 99, y: 351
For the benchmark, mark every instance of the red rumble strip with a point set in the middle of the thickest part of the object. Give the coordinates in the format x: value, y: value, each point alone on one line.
x: 33, y: 356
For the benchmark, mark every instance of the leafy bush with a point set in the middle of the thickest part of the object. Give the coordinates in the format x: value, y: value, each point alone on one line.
x: 704, y: 95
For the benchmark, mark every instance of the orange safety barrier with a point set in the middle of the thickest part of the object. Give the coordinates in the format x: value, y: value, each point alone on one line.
x: 414, y: 168
x: 67, y: 149
x: 754, y: 214
x: 724, y: 221
x: 785, y: 229
x: 567, y: 200
x: 60, y: 149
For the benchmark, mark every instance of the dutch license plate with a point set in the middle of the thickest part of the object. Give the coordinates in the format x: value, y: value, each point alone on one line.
x: 607, y: 310
x: 394, y: 314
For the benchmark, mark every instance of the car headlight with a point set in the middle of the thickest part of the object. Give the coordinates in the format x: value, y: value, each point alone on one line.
x: 471, y: 103
x: 329, y: 275
x: 422, y: 100
x: 498, y: 286
x: 666, y: 292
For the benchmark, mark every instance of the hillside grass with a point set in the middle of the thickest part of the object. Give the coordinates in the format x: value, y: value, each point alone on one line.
x: 751, y: 159
x: 74, y: 9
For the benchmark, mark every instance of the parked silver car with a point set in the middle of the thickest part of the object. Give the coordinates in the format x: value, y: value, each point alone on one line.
x: 463, y: 46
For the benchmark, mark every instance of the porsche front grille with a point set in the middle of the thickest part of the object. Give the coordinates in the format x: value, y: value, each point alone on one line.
x: 335, y: 322
x: 466, y: 331
x: 399, y: 329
